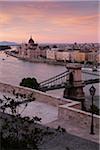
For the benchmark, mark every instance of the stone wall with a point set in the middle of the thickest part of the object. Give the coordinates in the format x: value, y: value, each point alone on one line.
x: 67, y: 109
x: 68, y: 112
x: 38, y: 95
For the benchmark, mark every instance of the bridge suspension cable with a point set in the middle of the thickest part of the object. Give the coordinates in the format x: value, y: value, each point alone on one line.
x: 52, y: 79
x: 61, y: 80
x: 90, y: 73
x: 54, y: 82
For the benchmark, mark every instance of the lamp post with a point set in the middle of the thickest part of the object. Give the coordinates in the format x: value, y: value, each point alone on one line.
x: 92, y: 93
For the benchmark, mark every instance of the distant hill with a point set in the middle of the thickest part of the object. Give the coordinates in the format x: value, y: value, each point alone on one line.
x: 7, y: 43
x: 4, y: 47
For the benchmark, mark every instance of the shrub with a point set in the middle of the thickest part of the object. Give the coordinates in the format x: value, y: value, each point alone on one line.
x: 30, y: 82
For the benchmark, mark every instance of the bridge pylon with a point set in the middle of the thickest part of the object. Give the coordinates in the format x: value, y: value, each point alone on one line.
x: 74, y: 87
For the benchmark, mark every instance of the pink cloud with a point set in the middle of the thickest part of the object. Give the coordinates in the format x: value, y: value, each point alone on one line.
x: 48, y: 21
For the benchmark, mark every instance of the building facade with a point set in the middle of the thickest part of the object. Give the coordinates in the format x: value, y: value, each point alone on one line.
x: 31, y: 50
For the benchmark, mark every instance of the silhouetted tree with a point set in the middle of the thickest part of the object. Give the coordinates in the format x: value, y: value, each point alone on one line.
x: 22, y: 133
x: 30, y: 82
x: 95, y: 110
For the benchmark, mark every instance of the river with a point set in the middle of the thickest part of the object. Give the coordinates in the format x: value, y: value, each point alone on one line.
x: 13, y: 70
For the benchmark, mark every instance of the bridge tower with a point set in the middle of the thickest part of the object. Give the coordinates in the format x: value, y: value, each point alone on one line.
x: 74, y: 87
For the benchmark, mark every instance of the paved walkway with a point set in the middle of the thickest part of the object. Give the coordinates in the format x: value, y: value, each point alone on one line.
x: 76, y: 130
x: 49, y: 118
x: 68, y: 141
x: 46, y: 112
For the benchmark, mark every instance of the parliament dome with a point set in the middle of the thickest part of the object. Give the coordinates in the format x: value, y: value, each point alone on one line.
x: 31, y: 41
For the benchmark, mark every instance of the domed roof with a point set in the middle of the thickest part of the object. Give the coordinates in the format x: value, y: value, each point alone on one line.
x: 31, y: 41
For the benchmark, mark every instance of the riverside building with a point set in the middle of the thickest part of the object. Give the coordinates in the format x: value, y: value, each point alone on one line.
x: 31, y: 50
x: 65, y: 55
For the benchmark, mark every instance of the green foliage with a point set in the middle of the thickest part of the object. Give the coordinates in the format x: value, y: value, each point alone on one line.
x: 13, y: 102
x: 59, y: 129
x: 22, y: 133
x: 16, y: 133
x: 30, y: 82
x: 95, y: 110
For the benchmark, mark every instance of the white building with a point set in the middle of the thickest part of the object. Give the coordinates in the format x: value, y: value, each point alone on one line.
x: 98, y: 58
x: 50, y: 54
x: 91, y: 57
x: 73, y: 55
x: 62, y: 55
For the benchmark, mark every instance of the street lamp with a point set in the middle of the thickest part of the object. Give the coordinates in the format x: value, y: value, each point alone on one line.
x: 92, y: 93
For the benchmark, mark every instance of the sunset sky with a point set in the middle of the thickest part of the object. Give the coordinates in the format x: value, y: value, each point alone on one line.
x: 49, y: 22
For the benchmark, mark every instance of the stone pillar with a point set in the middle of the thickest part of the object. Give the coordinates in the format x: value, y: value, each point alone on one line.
x: 74, y: 87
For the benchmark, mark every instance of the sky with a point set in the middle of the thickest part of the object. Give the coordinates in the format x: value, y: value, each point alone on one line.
x: 49, y: 22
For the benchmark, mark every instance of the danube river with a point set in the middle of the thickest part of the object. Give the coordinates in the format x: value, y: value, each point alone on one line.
x: 13, y: 70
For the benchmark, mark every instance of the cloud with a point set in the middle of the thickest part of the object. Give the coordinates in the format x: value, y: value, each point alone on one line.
x: 4, y: 18
x: 51, y: 21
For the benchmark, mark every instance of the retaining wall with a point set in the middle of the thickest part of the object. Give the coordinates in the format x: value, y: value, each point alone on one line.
x: 67, y: 109
x: 38, y: 95
x: 68, y: 112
